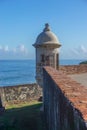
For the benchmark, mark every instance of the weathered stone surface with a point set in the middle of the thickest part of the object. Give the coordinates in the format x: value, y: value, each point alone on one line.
x: 21, y: 93
x: 47, y: 53
x: 73, y: 69
x: 65, y: 105
x: 80, y: 78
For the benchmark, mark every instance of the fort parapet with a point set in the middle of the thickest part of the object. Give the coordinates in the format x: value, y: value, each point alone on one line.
x: 73, y: 69
x: 65, y: 101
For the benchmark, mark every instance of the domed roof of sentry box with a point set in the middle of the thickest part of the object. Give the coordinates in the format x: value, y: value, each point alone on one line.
x: 47, y: 38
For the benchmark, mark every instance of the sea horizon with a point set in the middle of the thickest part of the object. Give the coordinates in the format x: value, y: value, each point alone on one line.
x: 22, y: 71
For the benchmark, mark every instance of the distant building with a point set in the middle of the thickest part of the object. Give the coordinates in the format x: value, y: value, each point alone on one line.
x: 46, y: 45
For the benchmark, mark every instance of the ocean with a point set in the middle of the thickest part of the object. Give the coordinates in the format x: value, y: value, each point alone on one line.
x: 17, y: 72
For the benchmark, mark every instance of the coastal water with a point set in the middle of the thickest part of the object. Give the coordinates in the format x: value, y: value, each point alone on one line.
x: 15, y: 72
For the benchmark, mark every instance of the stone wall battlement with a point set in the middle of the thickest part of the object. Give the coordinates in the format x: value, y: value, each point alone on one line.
x: 73, y: 69
x: 65, y: 101
x: 20, y: 93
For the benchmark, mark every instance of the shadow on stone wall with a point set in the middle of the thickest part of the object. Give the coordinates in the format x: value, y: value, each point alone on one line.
x: 27, y: 117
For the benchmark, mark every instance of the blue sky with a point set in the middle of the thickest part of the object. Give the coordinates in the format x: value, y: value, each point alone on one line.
x: 22, y: 20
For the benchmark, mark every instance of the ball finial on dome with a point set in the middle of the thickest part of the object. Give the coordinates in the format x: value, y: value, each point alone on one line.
x: 47, y: 38
x: 47, y: 28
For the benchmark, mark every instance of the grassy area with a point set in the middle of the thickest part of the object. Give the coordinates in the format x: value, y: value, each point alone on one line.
x: 22, y: 117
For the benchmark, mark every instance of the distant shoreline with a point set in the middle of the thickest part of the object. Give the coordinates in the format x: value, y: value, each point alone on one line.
x: 83, y: 62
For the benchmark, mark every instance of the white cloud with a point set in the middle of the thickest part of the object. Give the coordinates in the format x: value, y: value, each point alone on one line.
x: 0, y: 47
x: 83, y: 49
x: 18, y: 52
x: 5, y: 48
x: 80, y: 52
x: 21, y: 48
x: 14, y: 50
x: 75, y: 51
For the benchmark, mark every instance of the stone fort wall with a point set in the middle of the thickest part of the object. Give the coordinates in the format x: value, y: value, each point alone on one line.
x: 65, y: 102
x: 73, y: 69
x: 20, y: 93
